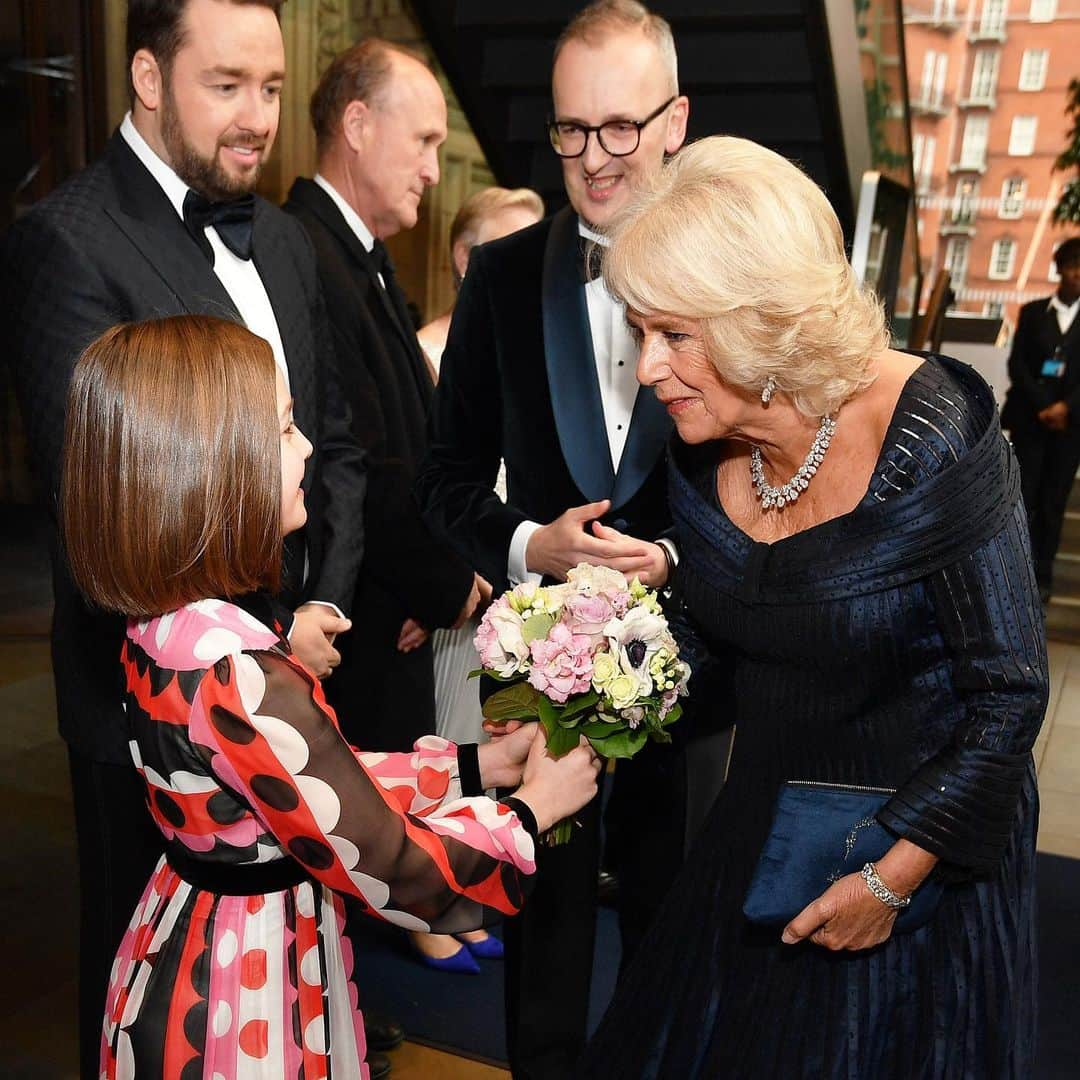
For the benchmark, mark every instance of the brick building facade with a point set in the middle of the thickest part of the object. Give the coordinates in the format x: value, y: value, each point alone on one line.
x: 987, y: 82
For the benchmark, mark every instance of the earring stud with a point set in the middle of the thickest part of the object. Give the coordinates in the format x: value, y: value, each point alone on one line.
x: 768, y: 390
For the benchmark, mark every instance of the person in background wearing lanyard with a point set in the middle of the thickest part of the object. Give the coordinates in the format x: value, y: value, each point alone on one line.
x: 1042, y: 408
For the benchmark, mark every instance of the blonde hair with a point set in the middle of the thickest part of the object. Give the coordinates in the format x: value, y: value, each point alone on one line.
x: 737, y: 237
x: 604, y: 18
x: 484, y: 204
x: 171, y: 487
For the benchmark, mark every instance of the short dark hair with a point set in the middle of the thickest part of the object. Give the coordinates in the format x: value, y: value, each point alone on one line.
x: 360, y: 73
x: 157, y: 26
x: 1068, y: 252
x: 171, y: 484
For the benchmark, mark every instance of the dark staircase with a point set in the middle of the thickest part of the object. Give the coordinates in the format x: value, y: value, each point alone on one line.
x: 761, y: 69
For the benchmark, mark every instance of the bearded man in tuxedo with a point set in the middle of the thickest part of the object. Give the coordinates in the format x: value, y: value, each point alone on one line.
x: 166, y: 223
x: 539, y: 371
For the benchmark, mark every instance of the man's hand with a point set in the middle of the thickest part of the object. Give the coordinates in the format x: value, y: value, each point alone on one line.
x: 312, y: 637
x: 1055, y: 417
x: 557, y: 548
x: 411, y: 636
x: 471, y: 602
x: 651, y: 569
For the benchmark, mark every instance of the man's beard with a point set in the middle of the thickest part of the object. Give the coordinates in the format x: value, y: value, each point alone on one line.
x: 205, y: 175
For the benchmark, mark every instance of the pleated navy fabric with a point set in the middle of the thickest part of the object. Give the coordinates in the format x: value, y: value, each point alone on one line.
x: 900, y: 646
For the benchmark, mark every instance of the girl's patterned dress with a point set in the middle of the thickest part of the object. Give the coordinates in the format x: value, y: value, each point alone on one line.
x: 247, y: 776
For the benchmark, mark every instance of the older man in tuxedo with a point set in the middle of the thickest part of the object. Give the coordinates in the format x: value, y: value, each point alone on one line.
x: 166, y: 223
x: 379, y: 118
x: 539, y: 371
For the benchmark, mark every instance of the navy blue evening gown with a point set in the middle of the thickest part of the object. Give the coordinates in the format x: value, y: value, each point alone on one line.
x: 900, y: 645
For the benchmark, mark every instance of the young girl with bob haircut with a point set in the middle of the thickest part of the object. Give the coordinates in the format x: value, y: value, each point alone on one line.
x: 183, y: 472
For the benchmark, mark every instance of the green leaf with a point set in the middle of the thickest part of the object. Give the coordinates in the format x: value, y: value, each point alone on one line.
x: 676, y: 712
x: 597, y: 730
x: 493, y: 675
x: 536, y: 627
x: 517, y: 702
x: 623, y: 744
x: 560, y: 740
x: 547, y: 711
x: 580, y: 704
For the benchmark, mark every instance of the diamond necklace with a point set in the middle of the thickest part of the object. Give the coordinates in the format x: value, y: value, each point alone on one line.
x: 779, y: 497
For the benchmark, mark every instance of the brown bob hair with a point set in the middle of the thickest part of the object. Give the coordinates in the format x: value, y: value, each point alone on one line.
x: 171, y: 486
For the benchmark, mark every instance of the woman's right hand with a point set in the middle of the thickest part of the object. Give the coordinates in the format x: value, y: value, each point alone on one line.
x: 556, y: 788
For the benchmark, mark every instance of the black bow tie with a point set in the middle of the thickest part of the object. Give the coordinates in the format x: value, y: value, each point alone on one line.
x: 233, y: 221
x: 380, y: 257
x: 590, y: 256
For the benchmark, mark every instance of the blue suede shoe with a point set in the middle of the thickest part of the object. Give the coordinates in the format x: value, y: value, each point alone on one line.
x: 489, y: 949
x: 460, y: 963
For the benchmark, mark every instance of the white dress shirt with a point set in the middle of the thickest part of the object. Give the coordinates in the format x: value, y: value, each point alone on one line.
x: 239, y: 277
x: 616, y: 370
x: 1065, y: 312
x: 352, y: 218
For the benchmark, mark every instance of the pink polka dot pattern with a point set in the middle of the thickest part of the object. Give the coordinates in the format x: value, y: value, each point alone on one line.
x: 244, y: 764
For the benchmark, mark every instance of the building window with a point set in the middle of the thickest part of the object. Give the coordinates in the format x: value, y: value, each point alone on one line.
x: 1043, y: 10
x: 1022, y: 136
x: 1002, y: 257
x: 1012, y: 198
x: 923, y: 148
x: 964, y: 202
x: 932, y: 85
x: 984, y: 73
x: 1033, y: 69
x: 993, y: 309
x: 945, y: 10
x: 956, y: 261
x: 993, y: 18
x: 973, y: 148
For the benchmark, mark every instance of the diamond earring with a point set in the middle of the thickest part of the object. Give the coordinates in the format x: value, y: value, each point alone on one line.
x: 767, y: 390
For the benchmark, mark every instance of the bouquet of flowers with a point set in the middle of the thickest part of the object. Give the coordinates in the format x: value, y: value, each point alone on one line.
x: 592, y: 657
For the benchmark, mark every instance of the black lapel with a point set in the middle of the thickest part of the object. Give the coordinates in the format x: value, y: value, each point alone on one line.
x: 142, y: 211
x: 650, y: 429
x: 571, y: 364
x: 1072, y: 335
x: 275, y: 259
x: 312, y: 197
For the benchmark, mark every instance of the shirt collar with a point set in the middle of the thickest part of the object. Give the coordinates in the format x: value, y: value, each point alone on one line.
x: 1059, y: 305
x: 175, y: 189
x: 352, y: 218
x: 590, y: 233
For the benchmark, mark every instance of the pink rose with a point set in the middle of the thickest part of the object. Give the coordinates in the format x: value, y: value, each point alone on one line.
x: 588, y: 614
x: 561, y: 664
x: 499, y: 640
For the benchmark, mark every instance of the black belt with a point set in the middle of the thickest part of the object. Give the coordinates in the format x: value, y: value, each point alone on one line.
x: 249, y: 879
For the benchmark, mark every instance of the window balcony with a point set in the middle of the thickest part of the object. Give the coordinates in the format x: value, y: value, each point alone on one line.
x: 935, y: 105
x: 979, y: 36
x: 980, y: 101
x: 965, y: 165
x: 960, y: 223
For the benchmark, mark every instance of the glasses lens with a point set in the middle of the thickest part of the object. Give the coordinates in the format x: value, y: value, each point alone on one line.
x: 567, y: 139
x: 619, y: 137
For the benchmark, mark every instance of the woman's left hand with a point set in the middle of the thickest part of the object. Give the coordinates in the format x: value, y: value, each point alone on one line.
x: 846, y: 916
x: 502, y: 759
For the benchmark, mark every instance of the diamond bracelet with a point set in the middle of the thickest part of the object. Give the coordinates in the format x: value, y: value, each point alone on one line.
x: 881, y: 890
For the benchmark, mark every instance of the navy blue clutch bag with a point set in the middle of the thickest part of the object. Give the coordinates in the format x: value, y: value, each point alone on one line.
x: 820, y: 833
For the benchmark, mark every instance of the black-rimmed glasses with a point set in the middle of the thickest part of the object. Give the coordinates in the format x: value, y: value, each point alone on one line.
x: 619, y: 138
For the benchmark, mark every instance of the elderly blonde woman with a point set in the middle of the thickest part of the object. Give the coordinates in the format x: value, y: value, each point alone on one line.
x: 855, y: 564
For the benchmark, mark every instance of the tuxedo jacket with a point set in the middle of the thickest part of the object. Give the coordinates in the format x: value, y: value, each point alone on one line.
x: 1037, y: 336
x: 407, y: 573
x: 518, y: 382
x: 109, y: 247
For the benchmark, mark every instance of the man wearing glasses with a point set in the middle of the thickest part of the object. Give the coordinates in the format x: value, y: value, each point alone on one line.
x: 539, y: 371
